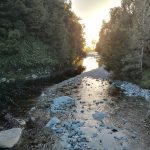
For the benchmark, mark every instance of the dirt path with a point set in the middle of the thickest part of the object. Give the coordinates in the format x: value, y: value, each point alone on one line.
x: 91, y: 119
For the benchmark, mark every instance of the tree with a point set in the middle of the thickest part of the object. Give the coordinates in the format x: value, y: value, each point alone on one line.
x: 32, y: 27
x: 131, y: 19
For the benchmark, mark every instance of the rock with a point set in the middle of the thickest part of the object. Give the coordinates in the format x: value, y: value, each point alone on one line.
x: 114, y: 130
x: 9, y: 138
x: 94, y: 135
x: 133, y: 136
x: 3, y: 80
x: 82, y: 102
x: 34, y: 76
x: 52, y: 123
x: 33, y: 119
x: 82, y: 111
x: 21, y: 122
x: 33, y: 109
x: 99, y: 116
x: 60, y: 103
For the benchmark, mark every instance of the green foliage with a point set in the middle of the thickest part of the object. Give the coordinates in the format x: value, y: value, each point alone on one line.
x: 36, y: 33
x: 115, y: 50
x: 145, y: 82
x: 35, y: 53
x: 124, y: 40
x: 114, y: 42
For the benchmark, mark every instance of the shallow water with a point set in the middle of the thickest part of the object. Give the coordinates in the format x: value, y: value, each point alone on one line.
x: 90, y: 62
x: 112, y: 122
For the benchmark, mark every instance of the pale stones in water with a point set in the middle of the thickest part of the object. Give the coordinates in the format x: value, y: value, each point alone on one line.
x: 99, y: 116
x: 9, y: 138
x: 3, y: 80
x: 130, y: 89
x: 34, y: 76
x: 61, y: 103
x: 52, y: 123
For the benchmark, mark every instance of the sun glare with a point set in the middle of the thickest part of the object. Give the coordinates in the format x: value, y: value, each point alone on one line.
x: 92, y: 13
x: 90, y: 63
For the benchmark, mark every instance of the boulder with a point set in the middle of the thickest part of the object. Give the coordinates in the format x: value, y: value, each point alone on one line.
x: 9, y: 138
x: 3, y: 80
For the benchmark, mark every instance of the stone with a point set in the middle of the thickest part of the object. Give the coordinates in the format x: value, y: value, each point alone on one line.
x: 21, y: 122
x: 99, y: 116
x: 33, y: 109
x: 52, y: 123
x: 133, y: 136
x: 82, y: 111
x: 34, y: 76
x: 9, y: 138
x: 3, y: 80
x: 60, y: 103
x: 114, y: 130
x: 32, y: 119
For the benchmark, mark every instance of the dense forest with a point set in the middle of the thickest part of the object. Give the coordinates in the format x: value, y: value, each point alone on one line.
x: 124, y: 42
x: 38, y: 34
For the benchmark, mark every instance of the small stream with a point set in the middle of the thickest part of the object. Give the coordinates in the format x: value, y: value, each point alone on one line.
x: 101, y: 117
x: 91, y: 61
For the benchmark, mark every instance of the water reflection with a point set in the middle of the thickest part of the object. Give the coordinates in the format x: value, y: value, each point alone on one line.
x: 90, y: 62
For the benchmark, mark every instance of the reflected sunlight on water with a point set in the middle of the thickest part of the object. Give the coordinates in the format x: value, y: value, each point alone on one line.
x: 90, y: 62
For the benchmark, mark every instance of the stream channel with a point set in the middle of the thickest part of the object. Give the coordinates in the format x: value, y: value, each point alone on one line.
x: 89, y: 112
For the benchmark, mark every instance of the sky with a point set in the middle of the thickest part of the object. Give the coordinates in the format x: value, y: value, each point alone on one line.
x: 92, y: 13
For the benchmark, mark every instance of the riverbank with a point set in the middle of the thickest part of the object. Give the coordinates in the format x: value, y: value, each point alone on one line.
x: 16, y: 95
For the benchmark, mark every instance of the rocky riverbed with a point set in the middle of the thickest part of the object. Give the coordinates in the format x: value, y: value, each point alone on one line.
x: 87, y: 112
x: 82, y: 113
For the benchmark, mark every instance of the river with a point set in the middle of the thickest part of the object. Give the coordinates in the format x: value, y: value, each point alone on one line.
x: 91, y: 61
x: 95, y: 115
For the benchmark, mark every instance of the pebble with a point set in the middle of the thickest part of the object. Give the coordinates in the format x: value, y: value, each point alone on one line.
x: 52, y: 123
x: 114, y: 130
x: 99, y: 115
x: 82, y: 111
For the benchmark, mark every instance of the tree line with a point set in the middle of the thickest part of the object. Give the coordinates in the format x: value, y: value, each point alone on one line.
x: 124, y: 42
x: 38, y: 33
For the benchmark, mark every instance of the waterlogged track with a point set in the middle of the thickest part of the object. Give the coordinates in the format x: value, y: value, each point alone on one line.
x: 89, y: 118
